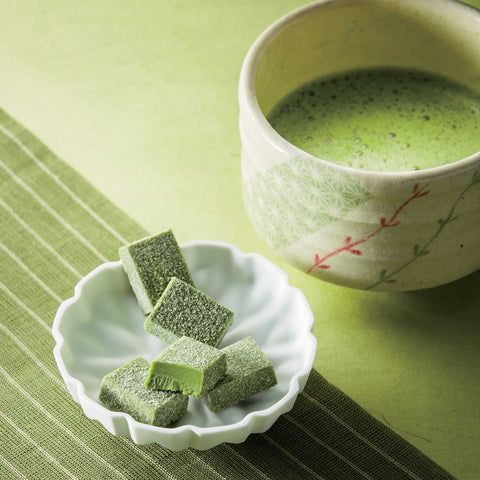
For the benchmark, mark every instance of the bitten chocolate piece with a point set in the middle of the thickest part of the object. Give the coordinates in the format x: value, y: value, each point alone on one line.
x: 187, y: 366
x: 182, y: 310
x: 123, y: 390
x: 249, y: 371
x: 150, y: 263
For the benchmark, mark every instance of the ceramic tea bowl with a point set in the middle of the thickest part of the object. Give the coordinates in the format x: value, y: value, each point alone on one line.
x: 391, y: 231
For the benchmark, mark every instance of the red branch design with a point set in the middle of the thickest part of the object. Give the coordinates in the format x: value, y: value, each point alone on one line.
x: 351, y: 246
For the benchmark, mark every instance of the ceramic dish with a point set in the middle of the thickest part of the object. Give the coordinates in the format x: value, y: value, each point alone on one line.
x: 101, y: 328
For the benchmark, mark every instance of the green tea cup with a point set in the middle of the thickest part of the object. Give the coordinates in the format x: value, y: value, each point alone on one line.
x: 373, y: 230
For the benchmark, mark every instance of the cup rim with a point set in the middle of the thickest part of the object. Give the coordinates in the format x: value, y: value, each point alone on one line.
x: 248, y: 100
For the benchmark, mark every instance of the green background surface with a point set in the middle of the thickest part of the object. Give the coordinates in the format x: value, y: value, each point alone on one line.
x: 141, y: 98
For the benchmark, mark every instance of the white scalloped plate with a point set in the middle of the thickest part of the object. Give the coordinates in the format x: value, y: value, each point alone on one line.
x: 101, y: 328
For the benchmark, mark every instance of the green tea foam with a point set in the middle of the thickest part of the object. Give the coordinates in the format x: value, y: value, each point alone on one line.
x: 385, y: 119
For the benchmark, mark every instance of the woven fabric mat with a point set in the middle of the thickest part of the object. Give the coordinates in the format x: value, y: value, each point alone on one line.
x: 54, y: 229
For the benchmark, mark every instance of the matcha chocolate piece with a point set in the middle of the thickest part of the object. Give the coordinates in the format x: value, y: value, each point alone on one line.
x: 123, y: 390
x: 150, y: 263
x: 249, y: 371
x: 182, y: 310
x: 187, y: 366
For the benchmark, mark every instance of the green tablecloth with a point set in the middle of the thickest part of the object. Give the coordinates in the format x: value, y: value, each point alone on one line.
x: 141, y: 100
x: 54, y: 228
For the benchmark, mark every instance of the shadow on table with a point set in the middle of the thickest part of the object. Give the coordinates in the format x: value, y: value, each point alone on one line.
x: 454, y: 307
x: 459, y: 299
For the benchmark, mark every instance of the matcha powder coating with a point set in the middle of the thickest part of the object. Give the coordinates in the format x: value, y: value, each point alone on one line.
x: 188, y: 366
x: 123, y: 390
x: 249, y: 371
x: 185, y: 311
x: 150, y: 263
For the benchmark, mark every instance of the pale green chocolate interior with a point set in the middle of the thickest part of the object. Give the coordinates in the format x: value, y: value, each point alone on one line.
x: 340, y: 37
x: 167, y: 376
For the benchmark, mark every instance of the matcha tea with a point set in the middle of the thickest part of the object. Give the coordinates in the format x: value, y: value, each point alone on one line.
x: 382, y: 119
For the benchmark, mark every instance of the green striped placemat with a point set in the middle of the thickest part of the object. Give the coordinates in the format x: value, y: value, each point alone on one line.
x: 54, y: 229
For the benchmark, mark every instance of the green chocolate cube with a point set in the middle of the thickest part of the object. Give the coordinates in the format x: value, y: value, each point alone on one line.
x: 182, y: 310
x: 187, y: 366
x: 123, y: 390
x: 249, y: 371
x: 150, y: 263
